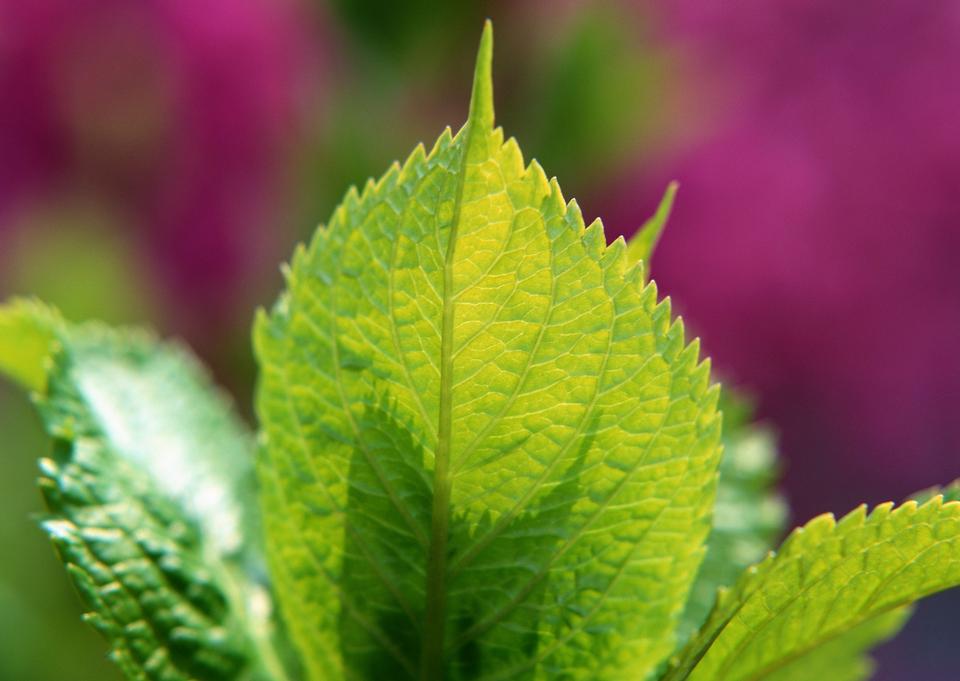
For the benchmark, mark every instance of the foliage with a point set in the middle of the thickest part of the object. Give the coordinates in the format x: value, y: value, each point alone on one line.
x: 486, y: 451
x: 146, y: 489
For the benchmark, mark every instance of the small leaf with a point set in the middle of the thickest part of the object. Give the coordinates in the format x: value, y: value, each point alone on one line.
x: 641, y: 245
x: 26, y: 342
x: 488, y: 451
x: 827, y: 586
x: 146, y: 491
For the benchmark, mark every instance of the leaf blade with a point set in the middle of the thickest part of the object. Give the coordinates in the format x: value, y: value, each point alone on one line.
x: 828, y: 579
x: 749, y: 515
x: 458, y: 313
x: 144, y: 492
x: 844, y: 658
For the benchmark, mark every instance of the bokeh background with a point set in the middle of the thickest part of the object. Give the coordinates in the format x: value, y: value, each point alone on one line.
x: 159, y: 158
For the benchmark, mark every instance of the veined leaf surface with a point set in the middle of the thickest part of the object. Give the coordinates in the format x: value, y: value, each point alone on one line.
x: 748, y: 517
x: 844, y: 658
x: 487, y: 452
x: 833, y: 590
x: 146, y: 491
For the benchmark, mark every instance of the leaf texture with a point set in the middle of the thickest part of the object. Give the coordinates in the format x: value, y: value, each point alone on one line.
x: 827, y: 595
x: 145, y: 489
x: 845, y: 657
x: 749, y: 516
x: 487, y: 452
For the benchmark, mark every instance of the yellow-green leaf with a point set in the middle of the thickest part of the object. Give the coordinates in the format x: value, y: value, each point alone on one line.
x: 488, y: 452
x: 641, y: 245
x: 832, y: 587
x: 26, y: 342
x: 749, y: 516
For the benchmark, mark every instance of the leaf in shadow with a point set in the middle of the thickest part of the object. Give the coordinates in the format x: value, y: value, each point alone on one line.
x: 383, y: 580
x: 499, y: 587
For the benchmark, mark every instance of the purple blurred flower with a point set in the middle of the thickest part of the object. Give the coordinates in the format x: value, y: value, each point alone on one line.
x: 816, y: 239
x: 174, y: 114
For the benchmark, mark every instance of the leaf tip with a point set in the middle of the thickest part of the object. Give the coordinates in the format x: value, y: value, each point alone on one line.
x: 643, y: 243
x: 481, y: 99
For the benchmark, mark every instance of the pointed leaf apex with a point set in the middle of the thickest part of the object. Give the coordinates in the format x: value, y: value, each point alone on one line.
x: 641, y: 245
x: 481, y: 99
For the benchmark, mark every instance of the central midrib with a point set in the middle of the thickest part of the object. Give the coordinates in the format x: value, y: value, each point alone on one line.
x: 431, y: 659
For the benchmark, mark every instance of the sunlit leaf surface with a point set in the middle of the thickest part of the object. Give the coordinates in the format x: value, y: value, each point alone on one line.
x: 488, y: 452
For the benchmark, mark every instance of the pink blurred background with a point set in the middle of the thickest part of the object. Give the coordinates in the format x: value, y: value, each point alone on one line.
x: 159, y: 158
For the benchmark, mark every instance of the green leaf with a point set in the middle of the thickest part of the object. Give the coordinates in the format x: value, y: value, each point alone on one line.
x: 845, y: 657
x: 146, y: 491
x: 644, y: 241
x: 749, y: 516
x: 26, y: 342
x: 827, y: 594
x: 488, y: 453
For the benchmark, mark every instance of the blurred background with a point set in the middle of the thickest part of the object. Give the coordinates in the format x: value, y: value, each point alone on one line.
x: 159, y: 159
